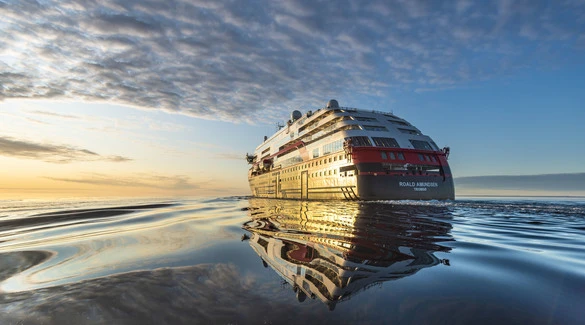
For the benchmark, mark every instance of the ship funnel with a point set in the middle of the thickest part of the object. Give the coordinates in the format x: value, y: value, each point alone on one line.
x: 332, y: 104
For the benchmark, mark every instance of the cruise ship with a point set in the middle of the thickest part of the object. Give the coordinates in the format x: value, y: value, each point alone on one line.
x: 348, y: 153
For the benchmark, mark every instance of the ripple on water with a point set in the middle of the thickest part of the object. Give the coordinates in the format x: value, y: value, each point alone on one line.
x: 453, y: 262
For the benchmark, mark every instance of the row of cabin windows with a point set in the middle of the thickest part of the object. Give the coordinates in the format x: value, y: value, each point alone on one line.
x: 392, y: 155
x: 364, y: 119
x: 371, y: 119
x: 399, y: 122
x: 400, y: 156
x: 409, y: 131
x: 324, y: 173
x: 429, y: 158
x: 364, y: 141
x: 374, y: 128
x: 314, y: 163
x: 294, y: 178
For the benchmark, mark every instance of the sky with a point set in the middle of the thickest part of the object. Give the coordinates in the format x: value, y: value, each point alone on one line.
x: 164, y: 98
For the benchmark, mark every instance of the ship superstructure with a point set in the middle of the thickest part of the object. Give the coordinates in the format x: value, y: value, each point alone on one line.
x: 348, y: 153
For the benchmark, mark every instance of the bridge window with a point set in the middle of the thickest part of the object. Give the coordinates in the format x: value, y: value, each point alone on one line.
x: 409, y: 131
x: 360, y: 141
x: 365, y: 119
x: 374, y: 128
x: 385, y: 142
x: 422, y: 145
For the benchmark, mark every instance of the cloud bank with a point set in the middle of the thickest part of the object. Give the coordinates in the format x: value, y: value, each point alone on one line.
x: 574, y: 182
x: 52, y: 153
x: 247, y: 60
x: 177, y: 182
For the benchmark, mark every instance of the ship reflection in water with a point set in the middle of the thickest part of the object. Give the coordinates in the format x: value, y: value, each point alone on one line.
x: 333, y: 252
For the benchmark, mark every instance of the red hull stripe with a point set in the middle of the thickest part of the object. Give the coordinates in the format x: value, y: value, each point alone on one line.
x: 393, y: 155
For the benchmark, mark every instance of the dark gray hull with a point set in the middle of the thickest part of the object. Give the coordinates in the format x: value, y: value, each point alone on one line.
x: 384, y: 187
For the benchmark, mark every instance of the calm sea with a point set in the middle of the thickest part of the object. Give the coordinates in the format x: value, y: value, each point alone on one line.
x: 238, y: 260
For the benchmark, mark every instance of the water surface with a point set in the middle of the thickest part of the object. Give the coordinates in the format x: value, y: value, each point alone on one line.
x: 240, y: 260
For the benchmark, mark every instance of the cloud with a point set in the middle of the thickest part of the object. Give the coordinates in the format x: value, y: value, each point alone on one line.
x: 249, y: 61
x: 229, y: 156
x: 176, y: 182
x: 51, y: 114
x: 52, y: 153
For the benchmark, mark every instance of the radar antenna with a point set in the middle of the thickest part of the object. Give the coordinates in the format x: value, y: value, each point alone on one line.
x: 279, y: 126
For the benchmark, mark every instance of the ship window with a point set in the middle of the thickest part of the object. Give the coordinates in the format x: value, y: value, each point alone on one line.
x: 329, y: 159
x: 427, y: 158
x: 383, y: 154
x: 400, y: 155
x: 433, y: 159
x: 421, y: 157
x: 422, y: 145
x: 392, y: 155
x: 315, y: 152
x: 360, y: 141
x: 399, y: 122
x: 434, y: 145
x: 265, y: 150
x: 365, y: 119
x: 334, y: 158
x: 374, y: 128
x: 333, y: 146
x: 385, y: 142
x: 409, y: 131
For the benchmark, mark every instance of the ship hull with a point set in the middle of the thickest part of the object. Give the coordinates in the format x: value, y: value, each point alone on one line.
x: 366, y: 186
x: 371, y: 187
